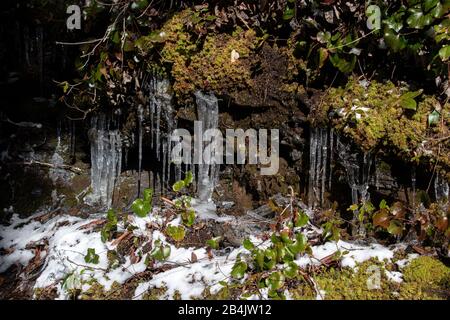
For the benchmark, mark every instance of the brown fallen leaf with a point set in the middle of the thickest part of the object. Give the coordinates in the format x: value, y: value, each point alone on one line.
x: 92, y: 224
x: 123, y: 236
x: 193, y: 257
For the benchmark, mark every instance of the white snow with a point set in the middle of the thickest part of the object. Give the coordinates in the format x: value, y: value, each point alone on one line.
x: 68, y: 245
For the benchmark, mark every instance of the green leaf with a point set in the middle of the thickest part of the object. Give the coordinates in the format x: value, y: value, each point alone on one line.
x: 177, y: 186
x: 299, y: 245
x: 418, y: 19
x: 111, y: 216
x: 288, y: 14
x: 188, y: 217
x: 383, y: 204
x: 342, y: 64
x: 270, y: 259
x: 188, y: 179
x: 239, y: 269
x: 302, y: 219
x: 444, y: 53
x: 248, y: 244
x: 290, y: 270
x: 407, y: 100
x: 394, y: 40
x: 177, y: 233
x: 395, y: 227
x: 433, y: 118
x: 213, y: 243
x: 141, y: 208
x: 160, y: 251
x: 285, y: 236
x: 148, y: 194
x: 91, y: 256
x: 275, y: 281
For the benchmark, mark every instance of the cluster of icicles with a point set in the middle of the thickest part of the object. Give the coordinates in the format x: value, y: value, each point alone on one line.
x: 157, y: 120
x: 106, y: 146
x: 326, y: 148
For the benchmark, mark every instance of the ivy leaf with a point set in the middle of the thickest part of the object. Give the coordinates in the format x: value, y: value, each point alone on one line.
x: 160, y: 252
x: 238, y: 270
x: 140, y: 207
x: 148, y: 194
x: 188, y: 179
x: 383, y: 204
x: 248, y: 244
x: 395, y: 227
x: 91, y: 256
x: 407, y: 100
x: 394, y: 40
x: 444, y: 53
x: 177, y: 186
x: 288, y: 14
x: 418, y: 19
x: 111, y: 216
x: 188, y: 217
x: 301, y: 219
x: 433, y: 118
x: 275, y: 281
x: 214, y: 243
x: 177, y: 233
x: 290, y: 270
x: 342, y: 64
x: 270, y: 259
x: 299, y: 245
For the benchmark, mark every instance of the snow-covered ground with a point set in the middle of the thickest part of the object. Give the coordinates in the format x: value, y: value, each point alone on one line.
x: 66, y: 240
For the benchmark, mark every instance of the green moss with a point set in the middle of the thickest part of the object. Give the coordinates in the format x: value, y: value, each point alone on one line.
x: 155, y: 293
x: 425, y: 278
x: 372, y: 116
x: 347, y: 284
x: 97, y: 291
x: 427, y: 271
x: 199, y: 63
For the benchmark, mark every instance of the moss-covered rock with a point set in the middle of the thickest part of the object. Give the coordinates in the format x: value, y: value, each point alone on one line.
x: 374, y: 116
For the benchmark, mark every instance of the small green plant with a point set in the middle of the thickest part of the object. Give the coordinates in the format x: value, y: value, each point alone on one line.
x: 183, y: 203
x: 214, y: 243
x: 72, y: 283
x: 142, y: 206
x: 177, y: 233
x: 160, y: 251
x: 110, y: 227
x: 275, y: 263
x: 91, y: 256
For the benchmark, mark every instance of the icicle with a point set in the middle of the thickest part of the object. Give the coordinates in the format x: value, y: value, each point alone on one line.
x: 441, y: 190
x: 312, y: 166
x: 140, y: 119
x: 162, y: 123
x: 324, y: 164
x: 106, y: 161
x: 208, y: 115
x: 330, y: 171
x: 318, y: 162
